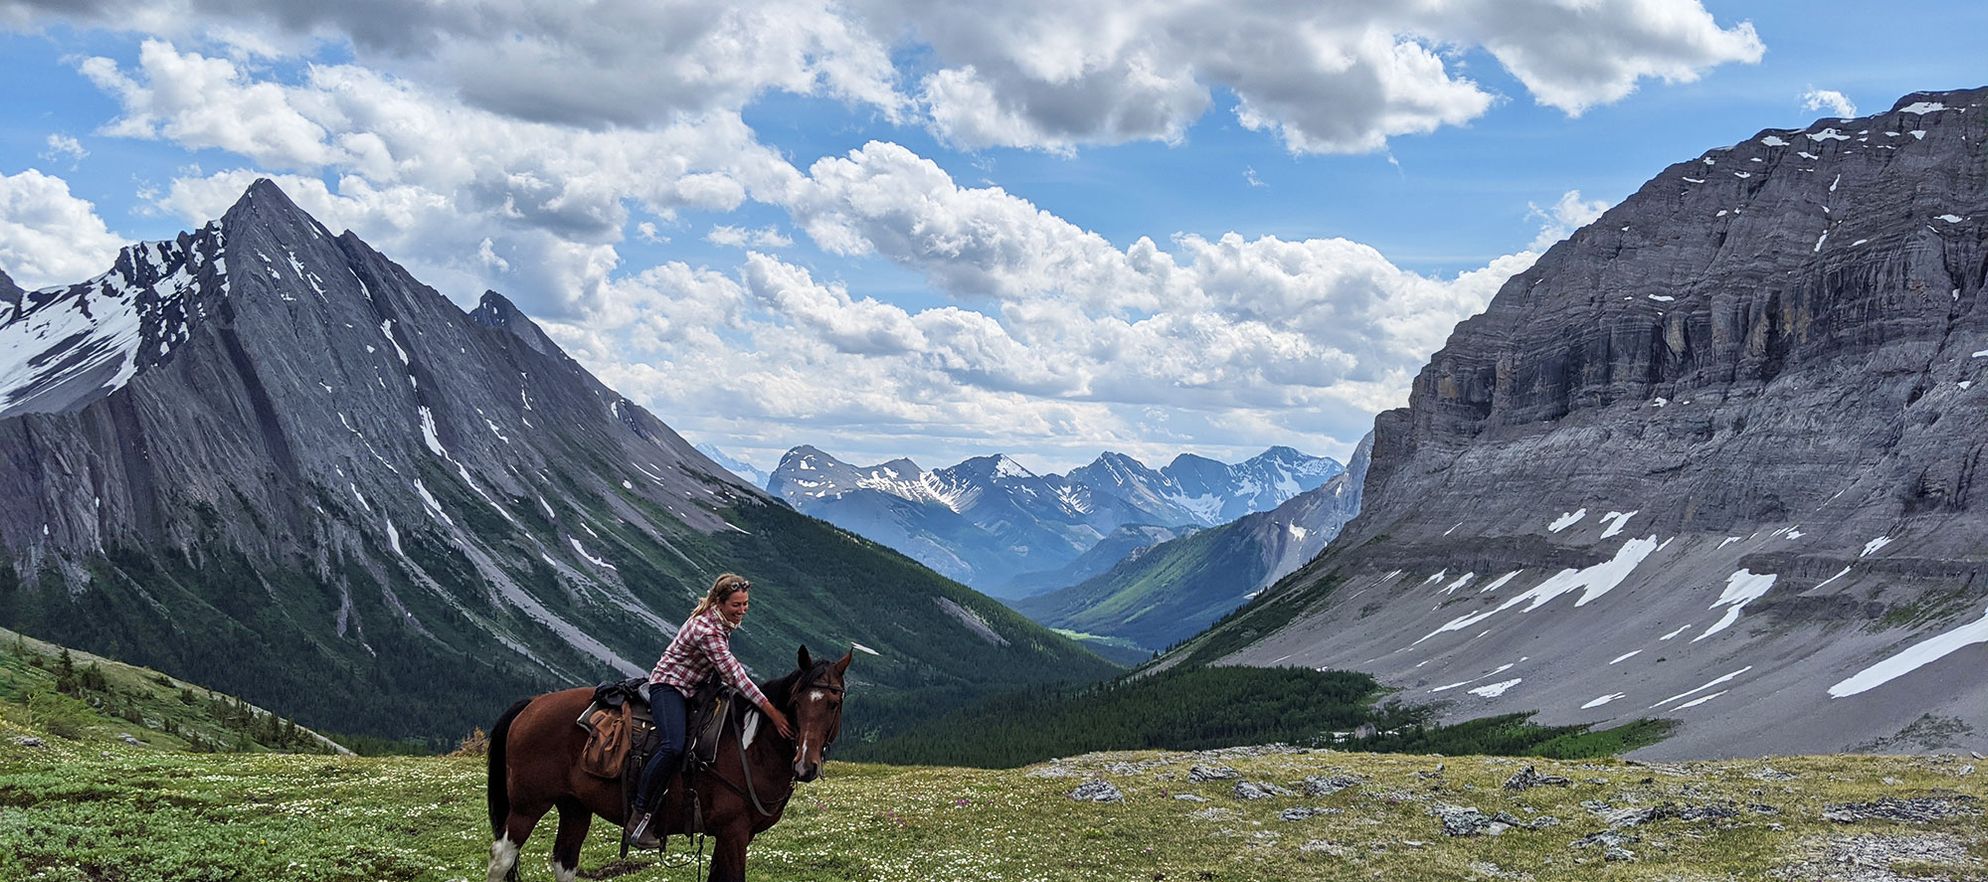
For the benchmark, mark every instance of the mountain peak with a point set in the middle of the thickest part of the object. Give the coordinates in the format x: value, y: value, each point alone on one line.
x: 497, y: 305
x: 999, y: 465
x: 266, y: 202
x: 495, y: 310
x: 1956, y: 96
x: 807, y: 457
x: 10, y: 294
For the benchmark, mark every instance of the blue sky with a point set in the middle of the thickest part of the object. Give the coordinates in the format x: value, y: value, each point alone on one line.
x: 911, y: 229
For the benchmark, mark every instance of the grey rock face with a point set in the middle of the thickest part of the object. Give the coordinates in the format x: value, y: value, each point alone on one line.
x: 1529, y: 777
x: 1713, y: 458
x: 1096, y: 791
x: 1326, y: 785
x: 1466, y: 821
x: 1929, y: 808
x: 1252, y: 790
x: 1211, y: 773
x: 10, y: 298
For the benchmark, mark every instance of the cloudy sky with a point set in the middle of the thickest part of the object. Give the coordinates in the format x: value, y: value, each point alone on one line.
x: 935, y: 229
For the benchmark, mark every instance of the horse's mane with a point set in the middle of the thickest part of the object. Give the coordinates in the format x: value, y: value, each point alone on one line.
x: 776, y: 690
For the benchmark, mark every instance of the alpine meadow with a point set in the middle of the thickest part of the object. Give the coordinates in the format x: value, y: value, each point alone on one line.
x: 883, y: 442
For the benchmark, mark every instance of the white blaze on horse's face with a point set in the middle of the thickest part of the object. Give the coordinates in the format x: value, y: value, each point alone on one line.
x: 815, y: 713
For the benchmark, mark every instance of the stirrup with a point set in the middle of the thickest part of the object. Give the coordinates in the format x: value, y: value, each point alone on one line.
x: 643, y: 834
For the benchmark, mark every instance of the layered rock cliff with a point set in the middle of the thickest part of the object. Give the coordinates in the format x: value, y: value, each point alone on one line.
x: 1714, y: 458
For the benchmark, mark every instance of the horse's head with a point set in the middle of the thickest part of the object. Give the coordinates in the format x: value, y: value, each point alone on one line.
x: 816, y: 699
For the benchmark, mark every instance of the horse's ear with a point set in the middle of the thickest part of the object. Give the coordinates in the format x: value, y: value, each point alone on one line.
x: 806, y: 662
x: 842, y: 665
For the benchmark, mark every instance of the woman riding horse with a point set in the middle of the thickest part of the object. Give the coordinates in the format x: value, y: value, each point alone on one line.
x: 702, y: 648
x: 535, y: 760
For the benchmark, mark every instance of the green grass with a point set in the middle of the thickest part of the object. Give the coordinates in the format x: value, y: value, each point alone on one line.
x: 90, y: 810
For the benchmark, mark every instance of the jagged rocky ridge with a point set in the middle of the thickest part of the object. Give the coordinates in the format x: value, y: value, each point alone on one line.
x: 1159, y: 595
x: 266, y: 455
x: 991, y: 523
x: 1712, y: 458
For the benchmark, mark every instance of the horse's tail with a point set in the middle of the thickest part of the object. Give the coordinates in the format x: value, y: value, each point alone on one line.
x: 500, y: 791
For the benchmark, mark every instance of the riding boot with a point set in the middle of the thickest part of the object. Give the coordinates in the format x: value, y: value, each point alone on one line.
x: 643, y: 833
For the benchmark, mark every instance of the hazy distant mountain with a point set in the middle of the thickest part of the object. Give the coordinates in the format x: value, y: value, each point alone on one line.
x: 1166, y: 592
x: 756, y: 476
x: 989, y: 521
x: 265, y: 455
x: 1115, y: 548
x: 1712, y: 458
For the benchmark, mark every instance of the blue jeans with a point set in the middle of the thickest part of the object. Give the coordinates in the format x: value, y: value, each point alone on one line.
x: 666, y: 707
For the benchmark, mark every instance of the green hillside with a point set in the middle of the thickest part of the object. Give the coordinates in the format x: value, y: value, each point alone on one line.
x: 1201, y: 708
x: 81, y: 697
x: 1163, y: 596
x: 272, y: 633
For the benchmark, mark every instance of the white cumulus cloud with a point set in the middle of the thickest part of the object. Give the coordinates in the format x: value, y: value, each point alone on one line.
x: 49, y: 236
x: 64, y: 148
x: 1831, y: 100
x: 1562, y: 218
x: 1332, y: 78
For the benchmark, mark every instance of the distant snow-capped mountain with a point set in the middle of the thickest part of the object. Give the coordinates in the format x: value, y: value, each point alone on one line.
x: 736, y: 466
x: 1166, y: 591
x: 990, y: 520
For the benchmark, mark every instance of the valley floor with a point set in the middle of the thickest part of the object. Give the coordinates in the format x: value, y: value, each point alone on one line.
x: 76, y: 810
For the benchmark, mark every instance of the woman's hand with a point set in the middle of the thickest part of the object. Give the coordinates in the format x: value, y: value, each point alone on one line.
x: 779, y: 720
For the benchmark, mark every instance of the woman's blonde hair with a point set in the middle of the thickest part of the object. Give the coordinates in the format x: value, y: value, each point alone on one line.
x: 726, y: 586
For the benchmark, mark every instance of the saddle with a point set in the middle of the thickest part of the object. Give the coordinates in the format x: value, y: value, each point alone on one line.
x: 621, y: 733
x: 621, y: 736
x: 708, y: 706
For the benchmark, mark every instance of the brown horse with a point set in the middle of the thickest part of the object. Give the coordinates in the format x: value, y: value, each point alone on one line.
x: 535, y: 767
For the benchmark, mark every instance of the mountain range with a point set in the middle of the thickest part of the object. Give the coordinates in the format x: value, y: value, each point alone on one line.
x: 1713, y: 458
x: 266, y: 454
x: 1168, y: 591
x: 991, y: 523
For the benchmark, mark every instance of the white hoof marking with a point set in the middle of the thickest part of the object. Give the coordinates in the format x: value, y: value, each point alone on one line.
x: 503, y: 856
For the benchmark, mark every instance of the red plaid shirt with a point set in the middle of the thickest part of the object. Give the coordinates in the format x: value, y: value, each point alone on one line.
x: 702, y: 645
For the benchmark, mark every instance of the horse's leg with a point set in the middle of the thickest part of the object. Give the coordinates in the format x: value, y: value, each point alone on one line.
x: 517, y: 828
x: 728, y: 858
x: 574, y: 819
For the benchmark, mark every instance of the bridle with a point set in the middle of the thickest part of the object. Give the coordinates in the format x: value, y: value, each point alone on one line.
x: 835, y: 728
x: 745, y: 765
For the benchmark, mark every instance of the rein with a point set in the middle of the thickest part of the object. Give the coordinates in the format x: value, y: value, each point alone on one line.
x: 745, y: 766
